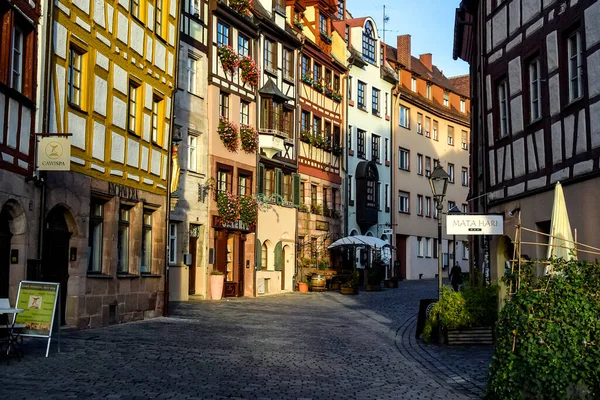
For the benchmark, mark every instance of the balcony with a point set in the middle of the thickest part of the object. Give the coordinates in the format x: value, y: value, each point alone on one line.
x: 272, y: 141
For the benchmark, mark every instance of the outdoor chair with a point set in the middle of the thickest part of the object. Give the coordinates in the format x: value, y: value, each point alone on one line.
x: 10, y: 331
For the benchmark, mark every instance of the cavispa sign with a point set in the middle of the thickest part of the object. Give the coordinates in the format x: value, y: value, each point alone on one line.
x: 474, y: 224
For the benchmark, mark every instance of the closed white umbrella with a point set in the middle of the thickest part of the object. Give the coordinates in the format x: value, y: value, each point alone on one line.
x: 561, y: 235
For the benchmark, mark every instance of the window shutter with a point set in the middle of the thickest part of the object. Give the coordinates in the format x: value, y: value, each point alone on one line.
x: 261, y: 178
x: 257, y: 255
x: 296, y: 189
x: 278, y: 182
x: 278, y: 256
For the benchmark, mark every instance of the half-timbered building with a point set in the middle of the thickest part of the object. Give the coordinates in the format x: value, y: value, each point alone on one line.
x: 108, y: 83
x: 278, y: 178
x: 322, y: 114
x: 18, y: 103
x: 431, y: 126
x: 535, y: 69
x: 232, y: 142
x: 189, y: 222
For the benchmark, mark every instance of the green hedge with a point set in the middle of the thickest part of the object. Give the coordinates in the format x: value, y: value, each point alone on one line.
x: 548, y: 336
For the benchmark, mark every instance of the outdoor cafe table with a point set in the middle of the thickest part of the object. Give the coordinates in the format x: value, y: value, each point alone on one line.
x: 12, y: 339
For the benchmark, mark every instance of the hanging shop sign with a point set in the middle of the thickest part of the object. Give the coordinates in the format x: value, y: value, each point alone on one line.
x: 474, y: 224
x: 54, y: 154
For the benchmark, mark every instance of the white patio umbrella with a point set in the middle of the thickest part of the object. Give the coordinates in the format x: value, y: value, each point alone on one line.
x: 561, y: 236
x: 366, y: 241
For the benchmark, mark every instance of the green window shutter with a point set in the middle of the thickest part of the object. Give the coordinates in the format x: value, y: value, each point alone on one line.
x: 278, y: 256
x: 261, y: 178
x: 278, y: 181
x: 296, y: 189
x: 257, y: 255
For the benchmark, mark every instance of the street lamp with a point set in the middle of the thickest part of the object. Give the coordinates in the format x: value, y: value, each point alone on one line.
x: 439, y: 184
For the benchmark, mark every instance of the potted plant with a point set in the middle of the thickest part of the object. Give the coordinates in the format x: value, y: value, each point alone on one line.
x: 229, y: 58
x: 316, y: 209
x: 217, y: 279
x: 303, y: 208
x: 248, y: 209
x: 337, y: 96
x: 228, y: 132
x: 306, y: 136
x: 228, y: 207
x: 307, y: 78
x: 303, y: 286
x: 350, y: 286
x: 248, y: 138
x: 319, y: 85
x: 242, y: 7
x: 298, y: 23
x: 249, y: 70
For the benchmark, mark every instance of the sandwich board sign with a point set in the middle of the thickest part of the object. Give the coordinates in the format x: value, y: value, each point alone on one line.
x: 38, y: 301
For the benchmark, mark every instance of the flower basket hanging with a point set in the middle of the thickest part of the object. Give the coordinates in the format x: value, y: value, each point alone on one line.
x: 229, y: 58
x: 248, y: 207
x: 242, y: 7
x: 228, y: 206
x: 228, y: 132
x: 248, y: 138
x: 249, y: 70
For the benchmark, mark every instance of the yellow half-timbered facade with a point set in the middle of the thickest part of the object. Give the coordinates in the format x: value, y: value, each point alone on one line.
x: 111, y: 75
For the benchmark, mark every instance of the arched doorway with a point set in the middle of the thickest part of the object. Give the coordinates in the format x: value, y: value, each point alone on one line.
x: 55, y: 258
x: 5, y: 236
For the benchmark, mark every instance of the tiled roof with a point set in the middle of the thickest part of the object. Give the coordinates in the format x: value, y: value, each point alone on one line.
x: 356, y: 22
x: 462, y: 83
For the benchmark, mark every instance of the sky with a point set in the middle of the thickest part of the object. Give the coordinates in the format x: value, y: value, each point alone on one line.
x: 429, y: 22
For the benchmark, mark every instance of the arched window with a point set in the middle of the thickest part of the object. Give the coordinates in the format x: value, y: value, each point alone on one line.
x: 368, y: 47
x: 263, y: 256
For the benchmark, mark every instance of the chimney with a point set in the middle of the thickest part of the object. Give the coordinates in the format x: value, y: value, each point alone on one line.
x: 404, y: 50
x: 426, y: 60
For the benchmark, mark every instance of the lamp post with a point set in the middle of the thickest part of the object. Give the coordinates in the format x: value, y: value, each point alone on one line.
x: 454, y: 210
x: 439, y: 184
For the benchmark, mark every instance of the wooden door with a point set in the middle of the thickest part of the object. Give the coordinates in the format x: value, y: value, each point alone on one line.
x: 401, y: 254
x: 192, y: 271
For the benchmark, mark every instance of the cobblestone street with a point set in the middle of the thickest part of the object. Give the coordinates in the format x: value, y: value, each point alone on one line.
x: 292, y: 346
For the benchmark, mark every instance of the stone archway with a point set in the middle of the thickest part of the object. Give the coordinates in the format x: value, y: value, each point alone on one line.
x: 55, y: 252
x: 13, y: 225
x: 5, y: 236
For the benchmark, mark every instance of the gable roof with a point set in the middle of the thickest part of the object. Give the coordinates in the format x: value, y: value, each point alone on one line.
x: 462, y: 83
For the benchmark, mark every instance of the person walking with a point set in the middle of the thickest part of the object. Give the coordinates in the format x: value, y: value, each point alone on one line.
x: 456, y: 278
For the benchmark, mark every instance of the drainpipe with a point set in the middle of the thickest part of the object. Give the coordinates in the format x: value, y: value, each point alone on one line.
x: 395, y: 103
x: 257, y: 124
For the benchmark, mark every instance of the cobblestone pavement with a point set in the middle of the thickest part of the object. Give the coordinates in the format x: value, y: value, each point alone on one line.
x: 291, y: 346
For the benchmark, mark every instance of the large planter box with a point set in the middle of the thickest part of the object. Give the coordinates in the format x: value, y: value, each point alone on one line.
x: 470, y: 336
x: 347, y: 290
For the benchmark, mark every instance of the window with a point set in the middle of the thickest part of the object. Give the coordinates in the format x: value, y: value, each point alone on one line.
x: 386, y: 104
x: 361, y: 95
x: 172, y: 243
x: 243, y: 46
x: 375, y: 101
x: 279, y: 6
x: 133, y: 103
x: 420, y: 246
x: 463, y: 140
x: 323, y: 24
x: 223, y: 181
x: 435, y: 248
x: 375, y: 148
x: 313, y: 195
x: 224, y: 105
x: 387, y: 197
x: 403, y: 202
x: 158, y: 18
x: 244, y: 187
x: 413, y: 84
x: 452, y: 205
x: 420, y: 205
x: 349, y: 88
x: 372, y: 197
x: 368, y: 43
x: 350, y: 137
x: 263, y: 255
x: 269, y: 181
x: 463, y: 106
x: 464, y: 208
x: 403, y: 159
x: 465, y: 250
x: 244, y: 112
x: 146, y: 267
x: 316, y: 126
x: 288, y: 64
x: 222, y: 34
x: 435, y: 208
x: 346, y: 33
x: 428, y: 93
x: 191, y: 75
x: 328, y: 78
x: 428, y: 166
x: 427, y: 127
x: 96, y: 236
x: 316, y: 72
x: 428, y: 247
x: 404, y: 117
x: 336, y: 82
x: 575, y: 66
x: 192, y: 153
x: 360, y: 139
x: 451, y: 172
x: 134, y: 8
x: 535, y: 106
x: 157, y: 117
x: 446, y: 99
x: 287, y: 187
x: 385, y: 150
x: 420, y: 164
x: 503, y: 105
x: 75, y: 74
x: 381, y: 55
x: 123, y: 242
x: 450, y: 135
x: 302, y: 193
x: 350, y: 192
x: 305, y: 121
x: 305, y: 66
x: 419, y: 123
x: 464, y: 176
x: 428, y: 207
x: 270, y: 60
x: 340, y: 10
x: 435, y: 130
x: 326, y: 199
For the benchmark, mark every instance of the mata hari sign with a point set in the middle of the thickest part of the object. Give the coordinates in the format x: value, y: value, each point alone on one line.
x: 474, y: 225
x: 54, y: 154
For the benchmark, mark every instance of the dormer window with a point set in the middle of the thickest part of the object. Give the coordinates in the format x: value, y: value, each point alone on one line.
x: 323, y: 24
x: 368, y: 46
x: 279, y: 6
x: 340, y: 13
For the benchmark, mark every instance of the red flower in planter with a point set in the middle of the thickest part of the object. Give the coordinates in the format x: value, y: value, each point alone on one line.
x: 241, y: 6
x: 228, y: 132
x: 249, y: 138
x: 229, y: 58
x: 249, y: 70
x: 228, y: 206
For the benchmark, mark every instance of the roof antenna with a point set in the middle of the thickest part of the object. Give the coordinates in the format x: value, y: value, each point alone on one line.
x: 386, y: 18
